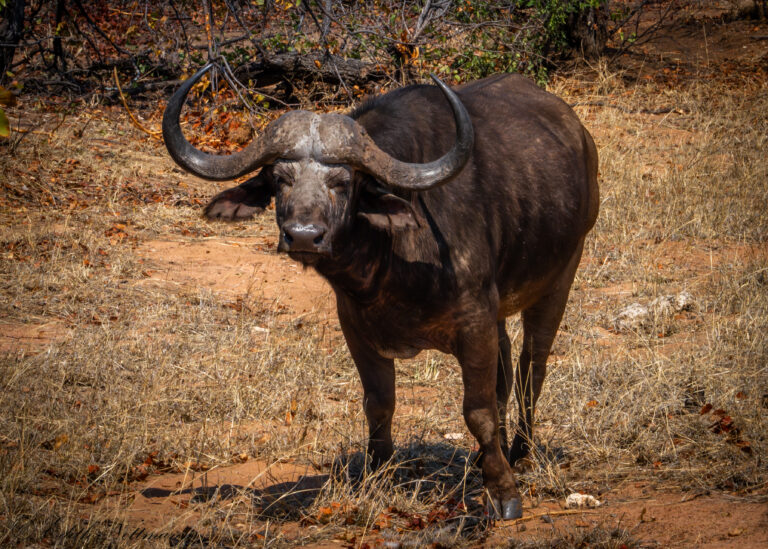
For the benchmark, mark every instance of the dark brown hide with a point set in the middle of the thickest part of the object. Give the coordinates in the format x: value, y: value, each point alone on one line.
x: 443, y: 268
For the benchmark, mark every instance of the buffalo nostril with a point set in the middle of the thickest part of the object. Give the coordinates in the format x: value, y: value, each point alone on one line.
x: 303, y: 238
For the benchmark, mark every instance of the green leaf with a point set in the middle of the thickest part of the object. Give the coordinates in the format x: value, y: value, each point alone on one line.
x: 5, y: 127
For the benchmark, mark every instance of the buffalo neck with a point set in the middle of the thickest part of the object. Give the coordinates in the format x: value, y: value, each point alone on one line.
x: 357, y: 266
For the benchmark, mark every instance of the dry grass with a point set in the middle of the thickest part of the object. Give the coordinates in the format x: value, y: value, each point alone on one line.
x: 183, y: 377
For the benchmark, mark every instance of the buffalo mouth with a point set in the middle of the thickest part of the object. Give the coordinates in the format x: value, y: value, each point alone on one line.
x: 308, y: 258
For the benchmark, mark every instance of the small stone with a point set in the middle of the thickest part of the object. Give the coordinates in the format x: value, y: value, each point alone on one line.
x: 579, y: 501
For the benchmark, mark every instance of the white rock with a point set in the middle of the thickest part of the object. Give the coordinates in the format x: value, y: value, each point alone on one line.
x: 580, y: 501
x: 636, y: 316
x: 631, y: 317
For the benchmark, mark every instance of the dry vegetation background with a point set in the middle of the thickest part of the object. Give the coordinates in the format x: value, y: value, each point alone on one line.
x: 166, y: 380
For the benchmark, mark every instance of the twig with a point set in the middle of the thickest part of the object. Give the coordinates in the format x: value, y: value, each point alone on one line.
x: 647, y: 34
x: 95, y: 27
x: 341, y: 80
x: 664, y: 110
x: 248, y: 33
x: 550, y: 514
x: 212, y: 45
x: 87, y: 39
x: 233, y: 82
x: 61, y: 83
x: 153, y: 134
x: 33, y: 131
x: 181, y: 24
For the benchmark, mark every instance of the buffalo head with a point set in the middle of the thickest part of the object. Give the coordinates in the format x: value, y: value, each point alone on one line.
x: 324, y: 170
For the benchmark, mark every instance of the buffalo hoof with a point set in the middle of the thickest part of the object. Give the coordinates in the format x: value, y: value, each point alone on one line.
x: 505, y: 510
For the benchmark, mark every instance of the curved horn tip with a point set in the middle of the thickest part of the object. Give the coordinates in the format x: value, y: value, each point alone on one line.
x: 425, y: 176
x: 204, y: 68
x: 434, y: 77
x: 208, y: 166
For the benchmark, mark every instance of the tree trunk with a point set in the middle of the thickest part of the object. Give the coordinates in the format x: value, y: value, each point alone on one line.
x: 588, y: 31
x: 761, y: 9
x: 59, y: 60
x: 11, y: 29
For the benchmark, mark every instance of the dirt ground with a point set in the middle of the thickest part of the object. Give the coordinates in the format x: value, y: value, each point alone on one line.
x: 660, y: 516
x: 154, y: 249
x: 657, y: 513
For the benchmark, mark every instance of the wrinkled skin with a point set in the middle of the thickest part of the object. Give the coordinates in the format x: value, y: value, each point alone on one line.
x: 443, y: 268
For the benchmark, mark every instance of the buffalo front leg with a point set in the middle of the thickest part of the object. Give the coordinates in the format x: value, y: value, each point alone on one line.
x: 540, y: 324
x: 378, y: 379
x: 377, y: 375
x: 478, y: 353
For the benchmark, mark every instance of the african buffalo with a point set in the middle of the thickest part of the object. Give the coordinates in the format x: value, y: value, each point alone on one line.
x: 434, y: 214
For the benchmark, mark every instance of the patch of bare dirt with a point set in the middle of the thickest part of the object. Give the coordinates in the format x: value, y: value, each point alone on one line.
x: 656, y: 517
x: 239, y: 267
x: 700, y: 257
x: 702, y: 40
x: 29, y: 337
x: 172, y: 501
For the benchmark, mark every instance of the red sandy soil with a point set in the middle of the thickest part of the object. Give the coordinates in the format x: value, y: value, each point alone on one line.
x: 655, y: 516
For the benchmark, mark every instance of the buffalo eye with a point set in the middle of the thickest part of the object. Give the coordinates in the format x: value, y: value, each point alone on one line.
x: 281, y: 181
x: 338, y: 182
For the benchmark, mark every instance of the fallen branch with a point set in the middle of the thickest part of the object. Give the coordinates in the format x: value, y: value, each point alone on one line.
x: 33, y: 131
x: 142, y: 87
x: 307, y: 67
x: 153, y: 134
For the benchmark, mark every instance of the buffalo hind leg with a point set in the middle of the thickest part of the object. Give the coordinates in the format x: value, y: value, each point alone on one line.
x: 540, y: 324
x: 477, y: 353
x: 504, y: 377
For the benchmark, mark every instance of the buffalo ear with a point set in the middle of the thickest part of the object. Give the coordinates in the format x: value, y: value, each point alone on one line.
x: 389, y: 212
x: 243, y: 201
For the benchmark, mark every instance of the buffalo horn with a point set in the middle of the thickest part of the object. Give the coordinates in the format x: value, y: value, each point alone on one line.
x: 210, y: 166
x: 420, y: 177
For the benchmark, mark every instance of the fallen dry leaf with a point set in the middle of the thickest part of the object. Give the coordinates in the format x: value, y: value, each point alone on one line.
x: 60, y: 441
